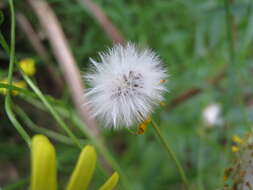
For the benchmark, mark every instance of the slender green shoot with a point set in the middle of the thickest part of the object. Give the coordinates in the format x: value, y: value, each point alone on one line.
x: 171, y: 153
x: 8, y: 101
x: 51, y: 109
x: 52, y: 134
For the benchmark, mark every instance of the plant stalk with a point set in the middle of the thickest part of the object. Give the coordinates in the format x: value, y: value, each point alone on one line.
x: 171, y: 154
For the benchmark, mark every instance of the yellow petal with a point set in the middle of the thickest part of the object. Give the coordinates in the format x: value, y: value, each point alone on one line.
x: 28, y: 66
x: 84, y: 169
x: 3, y: 90
x: 19, y: 84
x: 43, y: 164
x: 237, y: 139
x: 111, y: 182
x: 235, y: 149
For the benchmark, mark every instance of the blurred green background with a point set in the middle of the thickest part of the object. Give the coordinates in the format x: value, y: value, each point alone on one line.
x: 195, y: 40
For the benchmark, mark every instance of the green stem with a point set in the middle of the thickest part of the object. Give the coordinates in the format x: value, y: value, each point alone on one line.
x: 8, y: 101
x: 231, y: 40
x: 51, y: 109
x: 3, y: 43
x: 11, y: 53
x: 49, y: 133
x: 234, y: 70
x: 171, y: 153
x: 199, y: 166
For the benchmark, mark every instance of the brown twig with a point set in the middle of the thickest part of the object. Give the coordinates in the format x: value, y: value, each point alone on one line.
x: 32, y: 36
x: 192, y: 92
x: 98, y: 13
x: 39, y: 48
x: 65, y: 58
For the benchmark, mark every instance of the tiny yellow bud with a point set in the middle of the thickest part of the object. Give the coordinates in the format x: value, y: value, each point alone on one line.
x: 19, y: 84
x: 84, y: 169
x: 237, y: 139
x: 28, y: 66
x: 235, y: 149
x: 3, y: 90
x: 43, y: 164
x: 111, y: 182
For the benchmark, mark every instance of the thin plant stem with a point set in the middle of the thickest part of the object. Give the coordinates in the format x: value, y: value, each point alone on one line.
x: 234, y: 70
x: 51, y: 109
x: 171, y: 153
x: 199, y: 166
x: 229, y: 20
x: 52, y: 134
x: 3, y: 43
x: 8, y: 101
x: 11, y: 52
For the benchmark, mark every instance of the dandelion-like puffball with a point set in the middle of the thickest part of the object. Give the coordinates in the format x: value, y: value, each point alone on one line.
x: 125, y: 85
x: 212, y: 115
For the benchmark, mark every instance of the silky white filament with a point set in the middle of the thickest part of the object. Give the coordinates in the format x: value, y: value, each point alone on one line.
x: 125, y: 86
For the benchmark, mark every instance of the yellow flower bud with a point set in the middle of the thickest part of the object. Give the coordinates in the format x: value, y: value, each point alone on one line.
x: 28, y: 66
x: 235, y: 149
x: 84, y: 169
x: 44, y: 175
x: 3, y: 90
x: 111, y: 182
x: 19, y: 84
x: 237, y: 139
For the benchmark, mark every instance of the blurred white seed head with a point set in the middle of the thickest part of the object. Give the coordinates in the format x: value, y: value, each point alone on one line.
x: 125, y: 85
x: 212, y: 115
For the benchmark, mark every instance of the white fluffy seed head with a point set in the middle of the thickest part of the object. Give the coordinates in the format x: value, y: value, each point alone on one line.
x: 125, y: 85
x: 212, y: 115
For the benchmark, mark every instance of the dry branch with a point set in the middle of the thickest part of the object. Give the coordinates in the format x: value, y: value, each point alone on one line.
x: 192, y: 92
x: 111, y: 30
x: 65, y: 58
x: 39, y: 48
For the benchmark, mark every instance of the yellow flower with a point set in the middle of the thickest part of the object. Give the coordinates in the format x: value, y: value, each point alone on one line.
x: 44, y: 168
x: 28, y: 66
x: 235, y: 149
x: 237, y: 139
x: 111, y: 182
x: 3, y: 90
x: 84, y: 169
x: 43, y: 164
x: 19, y: 84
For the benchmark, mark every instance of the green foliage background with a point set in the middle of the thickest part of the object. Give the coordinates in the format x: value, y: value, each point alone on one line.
x: 192, y: 38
